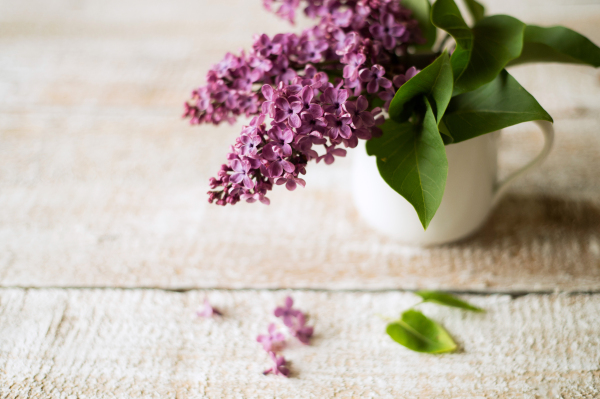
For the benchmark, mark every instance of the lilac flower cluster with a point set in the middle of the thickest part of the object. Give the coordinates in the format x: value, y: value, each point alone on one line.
x: 295, y: 323
x: 310, y: 112
x: 325, y: 87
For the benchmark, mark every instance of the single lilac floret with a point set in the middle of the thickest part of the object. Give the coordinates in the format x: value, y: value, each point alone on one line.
x: 301, y: 331
x: 278, y: 366
x: 287, y: 312
x: 399, y: 80
x: 388, y: 30
x: 240, y: 175
x: 339, y: 126
x: 335, y: 99
x: 290, y: 182
x: 358, y: 112
x: 272, y: 342
x: 284, y: 111
x: 208, y: 311
x: 374, y: 78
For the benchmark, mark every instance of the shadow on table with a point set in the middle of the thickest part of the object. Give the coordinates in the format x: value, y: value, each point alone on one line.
x: 537, y: 217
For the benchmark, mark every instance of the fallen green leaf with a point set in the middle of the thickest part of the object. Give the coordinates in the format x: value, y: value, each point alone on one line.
x: 441, y: 298
x: 419, y: 333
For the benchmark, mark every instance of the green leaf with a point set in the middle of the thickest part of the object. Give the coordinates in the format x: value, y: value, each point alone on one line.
x: 476, y: 9
x: 411, y: 158
x: 419, y: 333
x: 557, y: 44
x: 482, y: 52
x: 494, y: 106
x: 442, y: 298
x: 433, y: 82
x: 421, y: 11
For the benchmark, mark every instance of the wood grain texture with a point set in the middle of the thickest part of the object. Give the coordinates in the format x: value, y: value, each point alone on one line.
x: 101, y: 183
x: 145, y: 343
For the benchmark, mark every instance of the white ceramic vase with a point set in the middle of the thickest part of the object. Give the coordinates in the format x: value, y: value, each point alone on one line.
x: 472, y: 190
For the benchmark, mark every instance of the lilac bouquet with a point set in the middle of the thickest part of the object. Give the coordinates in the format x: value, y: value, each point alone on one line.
x: 373, y: 70
x: 317, y: 89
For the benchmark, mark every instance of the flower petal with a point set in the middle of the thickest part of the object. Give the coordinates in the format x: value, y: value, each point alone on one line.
x: 295, y: 121
x: 267, y: 91
x: 290, y: 185
x: 287, y: 166
x: 307, y: 94
x: 282, y: 103
x: 315, y: 110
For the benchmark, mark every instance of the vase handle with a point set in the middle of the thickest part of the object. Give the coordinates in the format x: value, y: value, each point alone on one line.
x: 548, y: 131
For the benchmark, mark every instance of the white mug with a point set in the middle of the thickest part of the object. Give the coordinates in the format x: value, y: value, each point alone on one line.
x: 472, y: 190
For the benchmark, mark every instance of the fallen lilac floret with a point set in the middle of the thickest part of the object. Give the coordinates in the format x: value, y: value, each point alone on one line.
x: 295, y: 321
x: 301, y: 331
x: 287, y: 312
x: 208, y: 310
x: 278, y: 366
x: 272, y: 342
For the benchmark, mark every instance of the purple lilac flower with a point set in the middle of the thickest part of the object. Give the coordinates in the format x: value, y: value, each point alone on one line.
x: 290, y: 182
x: 329, y: 156
x: 265, y: 47
x: 281, y: 139
x: 255, y: 197
x: 388, y: 30
x: 287, y: 312
x: 358, y: 112
x: 354, y: 61
x: 387, y: 95
x: 240, y: 175
x: 207, y: 310
x: 254, y: 128
x: 244, y: 77
x: 285, y: 110
x: 353, y: 34
x: 311, y: 51
x: 301, y: 331
x: 277, y: 163
x: 335, y: 99
x: 307, y: 95
x: 282, y: 71
x: 287, y: 9
x: 342, y: 18
x: 311, y: 124
x: 374, y: 78
x: 339, y: 125
x: 272, y: 342
x: 278, y: 366
x: 399, y: 80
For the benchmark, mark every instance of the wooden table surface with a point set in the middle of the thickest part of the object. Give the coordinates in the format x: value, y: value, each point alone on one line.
x: 107, y: 244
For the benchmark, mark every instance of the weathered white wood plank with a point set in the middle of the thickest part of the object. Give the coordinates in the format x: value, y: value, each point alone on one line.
x: 101, y: 184
x: 146, y: 343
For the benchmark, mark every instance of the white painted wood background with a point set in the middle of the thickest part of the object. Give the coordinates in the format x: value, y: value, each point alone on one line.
x: 102, y: 185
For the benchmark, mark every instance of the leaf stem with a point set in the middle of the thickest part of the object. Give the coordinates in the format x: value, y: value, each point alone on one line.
x: 386, y: 318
